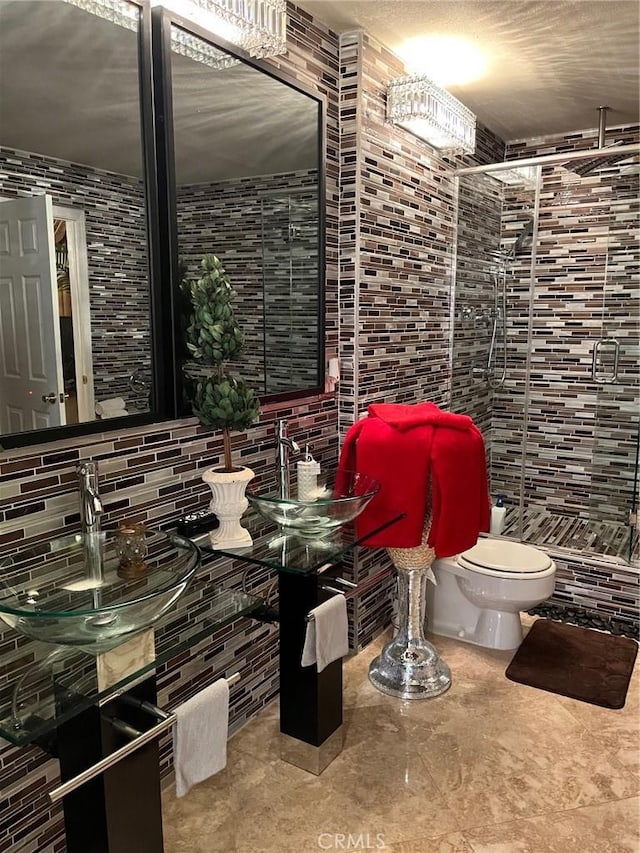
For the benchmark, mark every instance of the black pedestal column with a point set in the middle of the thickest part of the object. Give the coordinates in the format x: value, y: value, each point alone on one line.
x: 310, y: 702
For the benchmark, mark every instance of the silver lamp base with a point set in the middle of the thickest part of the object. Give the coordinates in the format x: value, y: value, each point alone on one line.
x: 409, y: 667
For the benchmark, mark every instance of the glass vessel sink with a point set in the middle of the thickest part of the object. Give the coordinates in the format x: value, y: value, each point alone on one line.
x: 85, y: 591
x: 336, y: 500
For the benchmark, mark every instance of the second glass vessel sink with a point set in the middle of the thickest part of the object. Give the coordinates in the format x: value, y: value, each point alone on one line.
x: 78, y: 590
x: 338, y: 499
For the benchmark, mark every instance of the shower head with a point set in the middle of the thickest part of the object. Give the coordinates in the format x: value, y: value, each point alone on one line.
x: 505, y: 256
x: 586, y: 167
x: 522, y: 237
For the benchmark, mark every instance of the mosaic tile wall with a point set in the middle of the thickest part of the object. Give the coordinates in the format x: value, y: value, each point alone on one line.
x: 117, y: 259
x: 397, y: 211
x: 264, y: 230
x: 155, y: 473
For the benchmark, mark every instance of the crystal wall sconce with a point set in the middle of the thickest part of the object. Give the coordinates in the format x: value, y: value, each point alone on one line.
x: 419, y: 105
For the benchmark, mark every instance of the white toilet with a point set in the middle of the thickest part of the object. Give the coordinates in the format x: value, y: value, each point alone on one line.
x: 480, y: 593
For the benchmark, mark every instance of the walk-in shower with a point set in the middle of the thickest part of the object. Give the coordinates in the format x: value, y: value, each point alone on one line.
x: 545, y: 343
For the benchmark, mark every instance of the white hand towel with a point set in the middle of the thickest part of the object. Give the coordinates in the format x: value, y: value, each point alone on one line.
x: 113, y: 413
x: 200, y: 736
x: 105, y: 408
x: 327, y: 637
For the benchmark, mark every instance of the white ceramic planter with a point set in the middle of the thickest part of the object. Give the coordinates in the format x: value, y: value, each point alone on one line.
x: 229, y: 503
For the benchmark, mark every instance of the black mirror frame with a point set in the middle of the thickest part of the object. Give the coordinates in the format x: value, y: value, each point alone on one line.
x: 162, y: 20
x: 163, y: 400
x: 154, y: 64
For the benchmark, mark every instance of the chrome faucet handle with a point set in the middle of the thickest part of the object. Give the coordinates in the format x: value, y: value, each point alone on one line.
x: 87, y: 468
x: 90, y: 503
x: 283, y: 438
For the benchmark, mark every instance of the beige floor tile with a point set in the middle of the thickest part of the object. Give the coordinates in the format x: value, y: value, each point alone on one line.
x: 489, y: 767
x: 260, y: 736
x: 205, y: 813
x: 451, y: 843
x: 606, y: 828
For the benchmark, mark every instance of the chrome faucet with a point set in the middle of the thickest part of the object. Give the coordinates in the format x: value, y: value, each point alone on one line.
x: 90, y: 511
x: 90, y: 504
x: 284, y: 446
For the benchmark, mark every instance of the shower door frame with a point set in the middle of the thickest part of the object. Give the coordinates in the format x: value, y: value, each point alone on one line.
x: 538, y: 161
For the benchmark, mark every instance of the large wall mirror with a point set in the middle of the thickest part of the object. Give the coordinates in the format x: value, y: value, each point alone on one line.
x: 75, y: 317
x: 248, y: 151
x: 85, y: 328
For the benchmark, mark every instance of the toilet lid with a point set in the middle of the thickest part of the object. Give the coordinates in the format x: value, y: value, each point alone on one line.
x: 503, y: 556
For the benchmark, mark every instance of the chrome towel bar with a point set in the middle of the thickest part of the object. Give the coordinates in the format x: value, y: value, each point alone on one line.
x: 104, y: 764
x: 138, y: 740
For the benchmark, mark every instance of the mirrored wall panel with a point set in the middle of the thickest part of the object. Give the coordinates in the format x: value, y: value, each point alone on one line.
x: 247, y: 148
x: 74, y: 282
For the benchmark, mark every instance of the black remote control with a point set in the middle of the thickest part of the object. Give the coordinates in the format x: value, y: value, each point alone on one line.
x: 196, y: 522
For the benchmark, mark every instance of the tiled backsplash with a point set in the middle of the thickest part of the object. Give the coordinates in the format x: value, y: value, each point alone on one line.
x: 150, y: 474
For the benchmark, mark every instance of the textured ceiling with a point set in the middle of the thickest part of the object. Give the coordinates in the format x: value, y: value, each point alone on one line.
x: 550, y: 64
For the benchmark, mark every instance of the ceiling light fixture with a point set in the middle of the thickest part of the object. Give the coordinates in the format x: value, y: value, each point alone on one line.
x: 257, y: 26
x: 186, y: 44
x: 432, y: 113
x: 117, y: 11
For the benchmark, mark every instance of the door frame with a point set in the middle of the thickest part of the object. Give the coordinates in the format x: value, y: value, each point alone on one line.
x: 80, y: 307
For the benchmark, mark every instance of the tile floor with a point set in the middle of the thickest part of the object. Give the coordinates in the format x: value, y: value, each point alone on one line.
x: 489, y: 767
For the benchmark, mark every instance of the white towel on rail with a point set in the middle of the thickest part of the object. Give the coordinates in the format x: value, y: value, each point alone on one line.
x: 114, y: 407
x: 327, y: 637
x: 200, y: 736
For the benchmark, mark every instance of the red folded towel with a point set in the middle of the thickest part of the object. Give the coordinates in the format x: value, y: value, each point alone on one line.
x: 406, y: 448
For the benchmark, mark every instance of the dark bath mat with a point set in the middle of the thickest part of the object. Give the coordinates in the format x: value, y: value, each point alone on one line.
x: 577, y: 662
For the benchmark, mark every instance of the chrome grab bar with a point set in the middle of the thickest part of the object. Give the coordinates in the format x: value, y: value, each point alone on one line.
x: 138, y: 739
x: 104, y: 764
x: 355, y: 588
x: 344, y: 582
x: 604, y: 378
x: 333, y: 589
x: 148, y: 707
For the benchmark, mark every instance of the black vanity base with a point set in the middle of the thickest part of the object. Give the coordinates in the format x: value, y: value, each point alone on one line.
x: 310, y: 701
x: 119, y: 811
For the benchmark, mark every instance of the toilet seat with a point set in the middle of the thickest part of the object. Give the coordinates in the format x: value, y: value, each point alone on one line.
x: 500, y: 558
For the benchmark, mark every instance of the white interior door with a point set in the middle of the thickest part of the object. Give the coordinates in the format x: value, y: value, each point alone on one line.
x: 31, y: 381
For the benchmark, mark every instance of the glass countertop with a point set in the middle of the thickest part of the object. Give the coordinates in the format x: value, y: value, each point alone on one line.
x: 278, y: 548
x: 45, y: 685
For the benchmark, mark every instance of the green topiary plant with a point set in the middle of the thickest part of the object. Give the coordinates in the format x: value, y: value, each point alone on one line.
x: 213, y: 338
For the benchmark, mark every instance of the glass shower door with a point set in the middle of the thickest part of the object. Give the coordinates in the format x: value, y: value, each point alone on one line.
x: 290, y: 288
x: 616, y: 376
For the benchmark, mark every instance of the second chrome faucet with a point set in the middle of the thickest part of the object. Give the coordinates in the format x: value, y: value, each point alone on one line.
x: 284, y: 446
